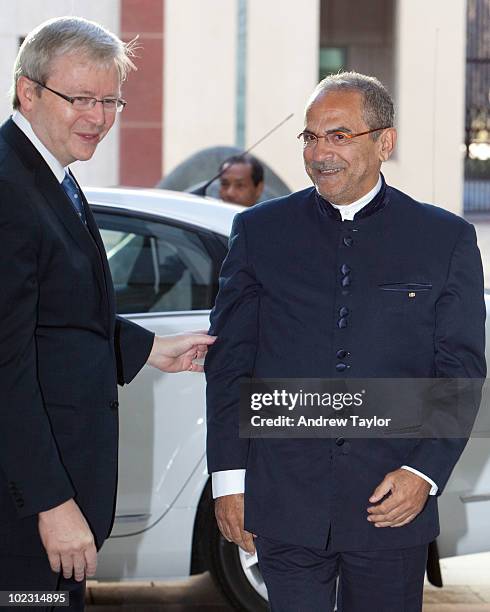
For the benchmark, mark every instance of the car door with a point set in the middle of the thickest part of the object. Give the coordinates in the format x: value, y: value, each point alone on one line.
x: 165, y: 279
x: 464, y: 506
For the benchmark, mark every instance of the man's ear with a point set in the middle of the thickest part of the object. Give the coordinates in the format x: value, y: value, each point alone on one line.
x: 387, y: 142
x: 26, y: 91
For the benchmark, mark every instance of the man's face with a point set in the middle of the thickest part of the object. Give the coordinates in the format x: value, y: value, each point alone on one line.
x: 71, y: 134
x: 237, y: 186
x: 343, y: 173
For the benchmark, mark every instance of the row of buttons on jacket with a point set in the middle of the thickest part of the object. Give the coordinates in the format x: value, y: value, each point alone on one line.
x: 345, y: 282
x: 16, y: 494
x: 342, y: 322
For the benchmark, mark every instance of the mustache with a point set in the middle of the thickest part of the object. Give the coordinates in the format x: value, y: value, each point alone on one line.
x: 321, y: 166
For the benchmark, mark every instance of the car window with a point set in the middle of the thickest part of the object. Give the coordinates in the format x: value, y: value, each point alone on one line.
x: 155, y: 266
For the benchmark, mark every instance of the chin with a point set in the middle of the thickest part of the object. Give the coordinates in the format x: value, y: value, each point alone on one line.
x: 327, y: 196
x: 85, y: 155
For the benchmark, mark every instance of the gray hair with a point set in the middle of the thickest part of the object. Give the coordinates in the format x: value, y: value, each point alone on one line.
x: 378, y: 109
x: 65, y: 35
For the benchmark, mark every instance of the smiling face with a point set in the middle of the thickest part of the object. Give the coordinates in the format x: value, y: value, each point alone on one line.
x: 343, y: 174
x: 70, y: 134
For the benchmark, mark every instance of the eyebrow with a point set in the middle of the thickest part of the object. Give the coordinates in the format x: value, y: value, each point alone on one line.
x: 332, y: 130
x: 88, y: 93
x: 339, y: 129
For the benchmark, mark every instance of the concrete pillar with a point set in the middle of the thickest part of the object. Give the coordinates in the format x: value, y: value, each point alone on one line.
x: 430, y: 77
x: 199, y: 77
x: 283, y: 52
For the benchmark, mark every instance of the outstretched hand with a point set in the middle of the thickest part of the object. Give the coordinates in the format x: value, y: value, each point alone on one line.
x: 176, y: 353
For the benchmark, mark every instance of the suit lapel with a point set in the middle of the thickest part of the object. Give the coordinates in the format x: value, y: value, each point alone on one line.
x: 48, y: 186
x: 87, y: 238
x: 97, y: 240
x: 59, y: 202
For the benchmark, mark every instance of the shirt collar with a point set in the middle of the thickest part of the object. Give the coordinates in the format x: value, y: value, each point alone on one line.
x: 348, y: 211
x: 56, y: 168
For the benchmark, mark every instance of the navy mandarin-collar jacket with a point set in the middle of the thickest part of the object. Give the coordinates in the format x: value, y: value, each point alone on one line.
x: 304, y: 294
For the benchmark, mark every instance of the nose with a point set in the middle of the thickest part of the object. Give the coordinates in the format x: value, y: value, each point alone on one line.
x: 322, y: 150
x: 97, y: 113
x: 227, y: 193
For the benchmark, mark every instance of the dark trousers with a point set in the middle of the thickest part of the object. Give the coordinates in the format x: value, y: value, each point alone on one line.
x: 305, y: 580
x: 25, y: 573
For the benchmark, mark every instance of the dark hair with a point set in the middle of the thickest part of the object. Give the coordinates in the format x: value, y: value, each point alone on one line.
x: 257, y: 167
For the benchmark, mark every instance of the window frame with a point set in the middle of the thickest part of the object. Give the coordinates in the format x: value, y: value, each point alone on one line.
x: 213, y: 243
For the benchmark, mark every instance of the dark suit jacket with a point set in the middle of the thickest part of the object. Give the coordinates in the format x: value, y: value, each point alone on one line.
x: 277, y: 315
x: 62, y: 353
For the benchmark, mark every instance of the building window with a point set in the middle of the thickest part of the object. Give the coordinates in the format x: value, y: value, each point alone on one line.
x: 332, y: 60
x: 358, y: 35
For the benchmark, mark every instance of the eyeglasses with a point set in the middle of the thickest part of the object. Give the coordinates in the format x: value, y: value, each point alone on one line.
x: 337, y: 138
x: 84, y: 103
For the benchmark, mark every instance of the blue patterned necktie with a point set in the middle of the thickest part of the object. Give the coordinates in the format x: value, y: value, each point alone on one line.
x: 72, y: 191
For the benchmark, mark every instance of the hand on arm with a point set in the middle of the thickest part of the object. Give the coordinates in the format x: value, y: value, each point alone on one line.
x: 406, y: 494
x: 177, y: 353
x: 68, y: 541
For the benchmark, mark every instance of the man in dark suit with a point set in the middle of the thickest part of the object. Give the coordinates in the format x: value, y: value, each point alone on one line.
x: 349, y: 279
x: 62, y: 349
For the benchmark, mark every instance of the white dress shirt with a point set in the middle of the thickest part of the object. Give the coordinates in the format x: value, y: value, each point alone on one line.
x: 56, y: 168
x: 230, y: 482
x: 347, y: 211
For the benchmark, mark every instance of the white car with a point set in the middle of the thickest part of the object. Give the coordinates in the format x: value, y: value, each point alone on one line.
x: 165, y: 250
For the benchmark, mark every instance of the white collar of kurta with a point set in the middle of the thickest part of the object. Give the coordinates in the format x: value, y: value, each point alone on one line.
x: 348, y: 211
x: 56, y: 168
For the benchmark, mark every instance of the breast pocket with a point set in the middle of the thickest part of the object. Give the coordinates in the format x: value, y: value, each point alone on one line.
x: 405, y: 299
x: 408, y: 288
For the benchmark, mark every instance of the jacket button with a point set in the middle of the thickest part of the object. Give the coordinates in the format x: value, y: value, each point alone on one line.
x: 342, y: 354
x: 345, y: 269
x: 345, y: 281
x: 114, y: 405
x: 346, y: 448
x: 343, y: 311
x: 342, y: 323
x: 348, y: 241
x: 340, y: 367
x: 339, y: 441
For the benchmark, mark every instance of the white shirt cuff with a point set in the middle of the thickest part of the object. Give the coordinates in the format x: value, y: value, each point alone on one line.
x: 434, y: 488
x: 228, y: 482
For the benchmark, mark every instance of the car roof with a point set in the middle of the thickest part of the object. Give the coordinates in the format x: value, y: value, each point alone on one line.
x: 195, y: 210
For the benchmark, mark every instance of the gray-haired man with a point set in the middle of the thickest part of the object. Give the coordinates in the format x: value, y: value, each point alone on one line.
x: 349, y: 279
x: 62, y: 349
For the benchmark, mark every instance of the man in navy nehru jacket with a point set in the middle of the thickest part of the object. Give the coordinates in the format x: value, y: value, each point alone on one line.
x: 303, y: 294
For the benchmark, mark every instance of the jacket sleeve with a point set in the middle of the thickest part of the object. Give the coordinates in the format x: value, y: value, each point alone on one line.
x: 132, y: 344
x: 234, y: 319
x: 459, y: 349
x: 29, y: 460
